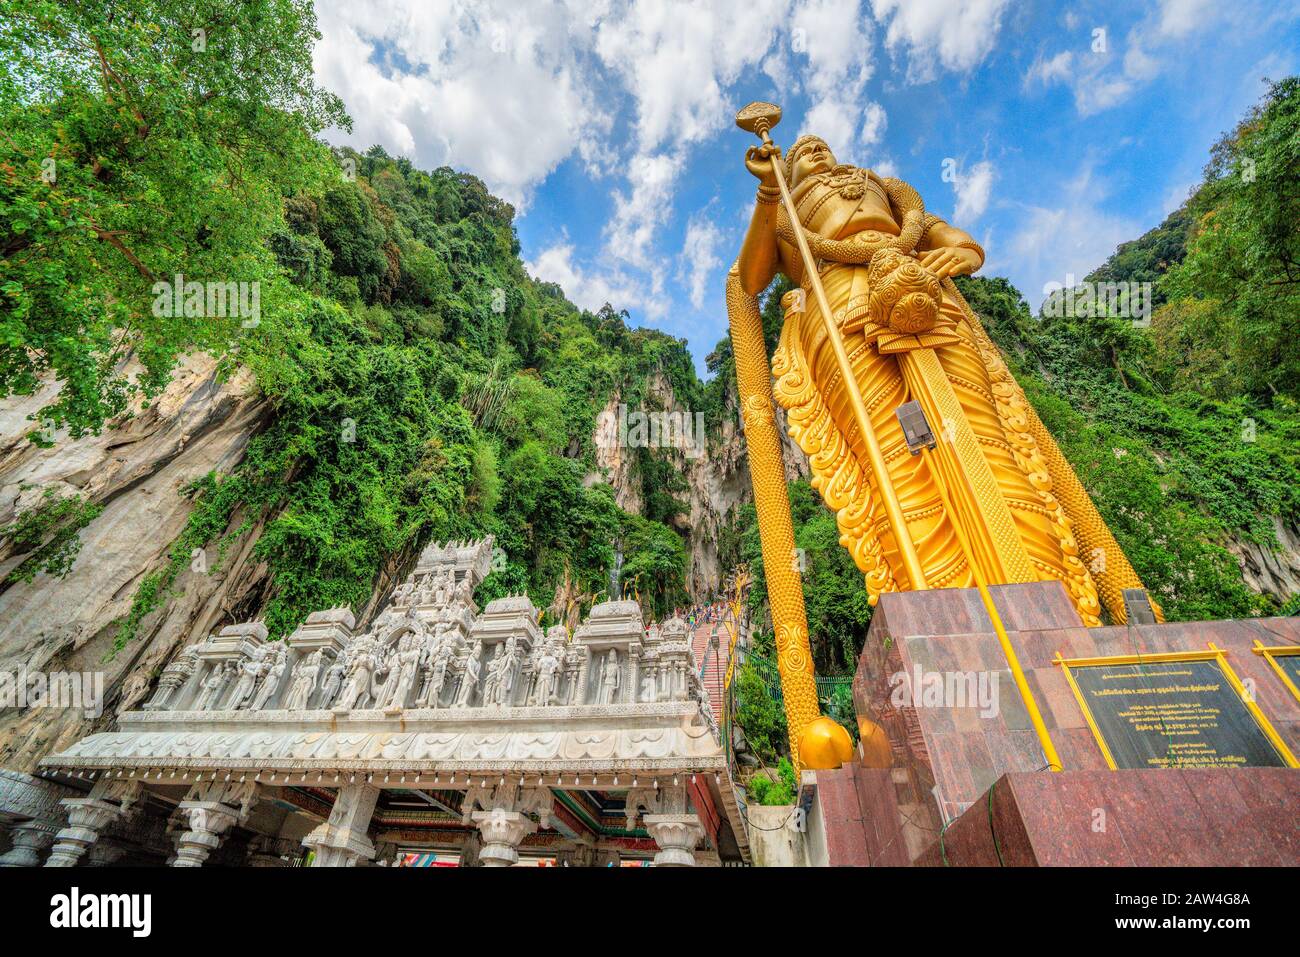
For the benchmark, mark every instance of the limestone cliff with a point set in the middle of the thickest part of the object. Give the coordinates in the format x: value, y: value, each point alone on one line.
x: 136, y: 470
x: 716, y: 472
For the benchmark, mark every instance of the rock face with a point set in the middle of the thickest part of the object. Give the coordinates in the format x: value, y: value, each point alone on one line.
x: 716, y: 472
x: 136, y: 470
x: 1273, y: 571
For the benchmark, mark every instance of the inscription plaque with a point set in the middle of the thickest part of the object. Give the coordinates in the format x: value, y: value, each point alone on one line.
x: 1171, y: 714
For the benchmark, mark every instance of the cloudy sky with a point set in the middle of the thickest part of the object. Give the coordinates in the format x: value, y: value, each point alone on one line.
x: 1050, y: 131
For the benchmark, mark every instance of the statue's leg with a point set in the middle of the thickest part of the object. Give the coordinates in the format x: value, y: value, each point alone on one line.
x: 772, y: 502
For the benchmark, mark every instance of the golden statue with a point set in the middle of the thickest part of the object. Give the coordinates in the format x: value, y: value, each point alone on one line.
x: 992, y: 501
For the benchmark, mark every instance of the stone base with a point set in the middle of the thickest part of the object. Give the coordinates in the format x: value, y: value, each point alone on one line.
x: 1212, y: 817
x: 923, y: 763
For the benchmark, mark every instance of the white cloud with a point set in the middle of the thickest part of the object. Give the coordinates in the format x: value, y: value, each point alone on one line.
x: 873, y: 124
x: 1056, y: 70
x: 700, y: 259
x: 832, y: 43
x: 954, y: 34
x: 586, y: 289
x: 640, y: 211
x: 1178, y: 18
x: 1070, y: 238
x: 1101, y: 78
x: 455, y: 100
x: 973, y: 188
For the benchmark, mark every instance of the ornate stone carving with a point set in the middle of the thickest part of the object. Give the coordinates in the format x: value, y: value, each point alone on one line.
x: 210, y: 811
x: 109, y: 800
x: 342, y: 841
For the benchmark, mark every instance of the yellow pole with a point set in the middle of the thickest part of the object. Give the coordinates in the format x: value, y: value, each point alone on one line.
x: 1008, y: 652
x: 893, y: 508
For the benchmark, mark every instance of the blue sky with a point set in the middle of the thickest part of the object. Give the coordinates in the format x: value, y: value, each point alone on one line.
x: 1065, y: 128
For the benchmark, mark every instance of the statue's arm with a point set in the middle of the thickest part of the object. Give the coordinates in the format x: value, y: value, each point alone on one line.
x: 759, y: 256
x: 949, y: 251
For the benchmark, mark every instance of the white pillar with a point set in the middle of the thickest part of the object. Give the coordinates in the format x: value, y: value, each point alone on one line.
x: 341, y: 841
x: 30, y: 840
x: 89, y: 817
x: 209, y: 822
x: 502, y: 831
x: 676, y: 835
x: 210, y: 810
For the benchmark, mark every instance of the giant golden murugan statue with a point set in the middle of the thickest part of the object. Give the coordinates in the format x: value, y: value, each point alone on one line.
x: 995, y: 502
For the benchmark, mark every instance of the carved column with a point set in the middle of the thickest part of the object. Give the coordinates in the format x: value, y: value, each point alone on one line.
x: 88, y: 817
x: 341, y: 841
x: 580, y: 690
x: 211, y: 811
x: 30, y: 840
x: 632, y: 688
x: 503, y: 821
x: 674, y: 828
x: 502, y: 831
x: 676, y: 835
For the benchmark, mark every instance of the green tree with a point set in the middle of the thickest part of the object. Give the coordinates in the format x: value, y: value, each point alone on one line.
x: 142, y: 140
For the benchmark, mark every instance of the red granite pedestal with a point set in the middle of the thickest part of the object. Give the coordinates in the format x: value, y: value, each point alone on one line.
x: 929, y: 770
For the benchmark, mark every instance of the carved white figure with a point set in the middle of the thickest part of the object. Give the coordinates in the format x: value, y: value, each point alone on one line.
x: 440, y: 653
x: 464, y: 592
x: 648, y: 684
x: 333, y: 682
x: 275, y: 669
x: 403, y: 594
x: 361, y: 670
x: 389, y: 620
x: 548, y: 682
x: 212, y: 686
x: 442, y: 591
x: 250, y: 669
x: 406, y: 669
x: 303, y: 682
x: 495, y: 672
x: 610, y: 680
x: 506, y: 680
x: 469, y: 682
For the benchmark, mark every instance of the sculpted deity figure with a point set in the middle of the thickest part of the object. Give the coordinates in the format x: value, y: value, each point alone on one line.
x: 403, y: 594
x: 303, y: 682
x: 440, y: 659
x: 389, y: 619
x: 469, y: 679
x: 275, y: 668
x: 250, y: 669
x: 333, y: 681
x: 494, y: 672
x: 360, y: 674
x: 648, y: 683
x: 405, y: 670
x: 463, y: 593
x: 610, y: 679
x: 548, y: 679
x: 875, y: 323
x: 212, y: 686
x: 506, y: 672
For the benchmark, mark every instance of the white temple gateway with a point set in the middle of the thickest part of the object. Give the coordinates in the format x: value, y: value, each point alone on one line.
x: 440, y: 732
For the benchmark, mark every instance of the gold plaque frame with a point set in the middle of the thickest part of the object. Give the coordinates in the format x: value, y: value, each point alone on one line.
x: 1271, y: 654
x: 1213, y: 653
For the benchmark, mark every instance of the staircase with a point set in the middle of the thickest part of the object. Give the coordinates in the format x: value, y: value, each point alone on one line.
x: 711, y: 659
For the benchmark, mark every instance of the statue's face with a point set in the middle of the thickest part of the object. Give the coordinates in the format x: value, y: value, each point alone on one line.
x: 813, y: 156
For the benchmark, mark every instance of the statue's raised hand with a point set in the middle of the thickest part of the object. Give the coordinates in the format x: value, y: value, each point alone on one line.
x: 758, y: 160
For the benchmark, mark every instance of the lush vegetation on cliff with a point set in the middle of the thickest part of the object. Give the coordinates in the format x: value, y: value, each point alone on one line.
x: 423, y: 385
